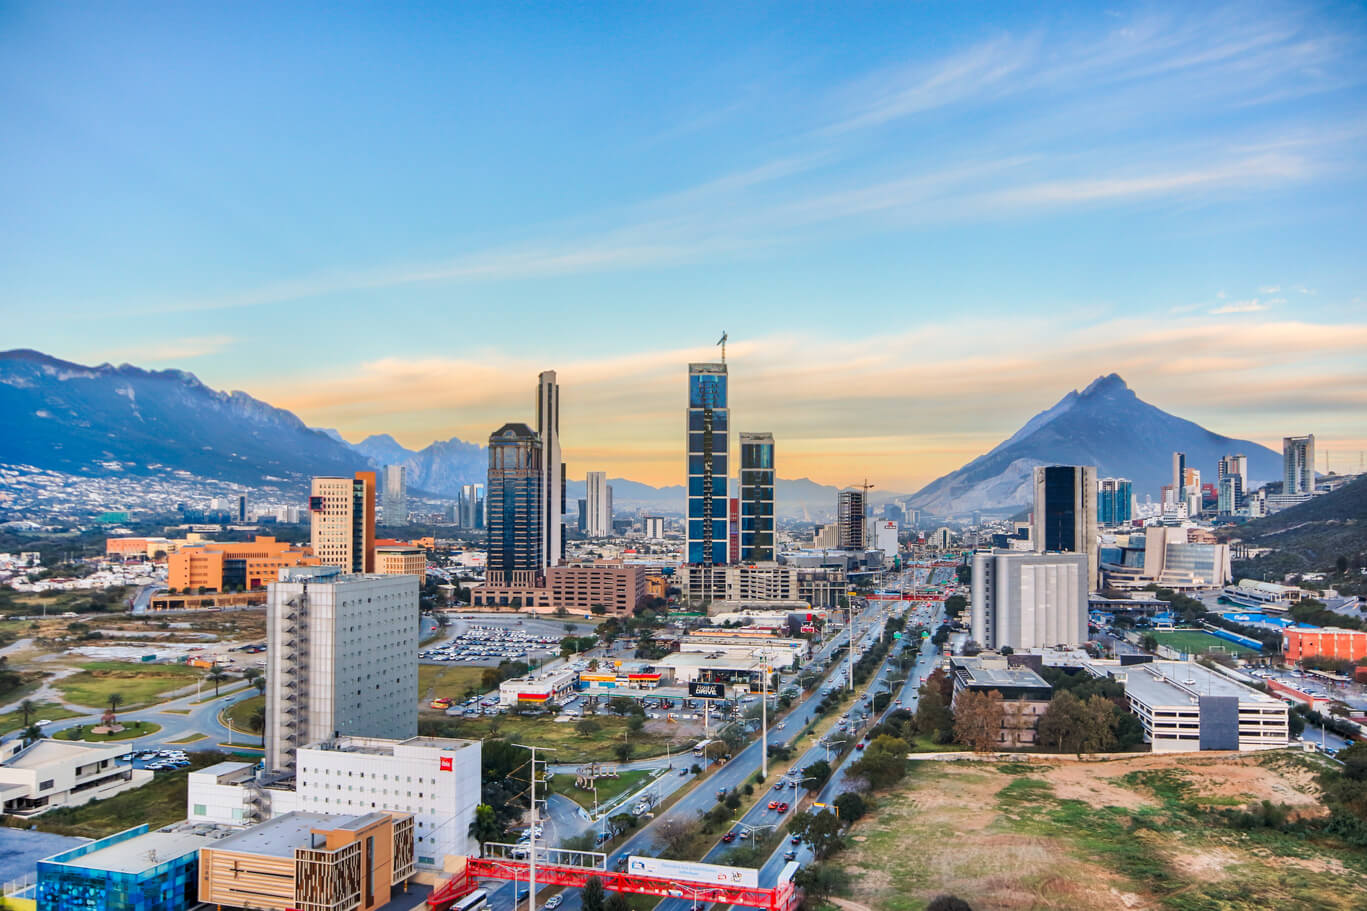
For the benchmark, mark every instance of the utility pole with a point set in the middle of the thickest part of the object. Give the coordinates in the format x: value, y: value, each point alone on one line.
x: 764, y: 716
x: 531, y: 878
x: 849, y: 599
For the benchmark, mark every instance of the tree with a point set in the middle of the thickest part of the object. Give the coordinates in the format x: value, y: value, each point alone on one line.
x: 676, y: 836
x: 588, y: 727
x: 819, y: 830
x: 821, y: 880
x: 881, y: 700
x: 27, y: 709
x: 592, y: 896
x: 216, y: 676
x: 635, y: 723
x: 110, y: 717
x: 948, y: 903
x: 485, y: 826
x: 623, y: 751
x: 256, y: 722
x: 33, y: 732
x: 851, y: 806
x: 932, y: 713
x: 954, y: 606
x: 1148, y: 642
x: 884, y: 762
x: 1058, y: 725
x: 978, y: 719
x: 617, y: 902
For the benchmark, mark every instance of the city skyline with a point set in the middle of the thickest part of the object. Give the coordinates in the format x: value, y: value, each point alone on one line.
x: 919, y: 228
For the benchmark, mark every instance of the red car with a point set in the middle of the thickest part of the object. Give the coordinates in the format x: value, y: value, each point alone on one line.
x: 859, y: 746
x: 729, y: 837
x: 773, y: 804
x: 783, y: 808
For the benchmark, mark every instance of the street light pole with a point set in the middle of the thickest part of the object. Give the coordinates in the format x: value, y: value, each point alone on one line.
x: 531, y: 876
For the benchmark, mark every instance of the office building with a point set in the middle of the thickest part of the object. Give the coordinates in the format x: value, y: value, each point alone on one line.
x: 1167, y: 556
x: 1029, y: 600
x: 1235, y: 466
x: 1231, y: 495
x: 514, y: 503
x: 394, y: 495
x: 1064, y: 517
x: 595, y: 588
x: 312, y: 861
x: 342, y: 515
x: 49, y: 774
x: 401, y: 560
x: 1185, y: 707
x: 470, y: 506
x: 1114, y: 502
x: 1298, y: 465
x: 708, y: 433
x: 597, y: 505
x: 343, y: 659
x: 766, y: 581
x: 233, y: 565
x: 1025, y: 694
x: 883, y: 537
x: 1179, y: 473
x: 850, y: 516
x: 756, y: 497
x: 242, y: 508
x: 1339, y: 644
x: 132, y: 870
x: 654, y: 527
x: 552, y: 469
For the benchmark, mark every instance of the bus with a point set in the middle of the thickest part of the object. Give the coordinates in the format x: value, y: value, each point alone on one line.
x: 477, y: 900
x: 700, y: 748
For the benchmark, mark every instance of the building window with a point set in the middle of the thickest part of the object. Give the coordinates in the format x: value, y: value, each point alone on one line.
x: 46, y: 785
x: 200, y: 809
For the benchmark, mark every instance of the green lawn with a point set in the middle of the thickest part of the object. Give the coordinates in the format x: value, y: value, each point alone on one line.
x: 189, y: 738
x: 240, y: 713
x: 608, y: 788
x: 572, y: 745
x: 137, y: 683
x: 131, y: 731
x: 158, y: 803
x: 1197, y: 641
x: 51, y: 711
x: 446, y: 680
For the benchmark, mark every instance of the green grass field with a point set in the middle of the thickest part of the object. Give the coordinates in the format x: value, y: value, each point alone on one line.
x: 446, y: 680
x: 1198, y: 641
x: 137, y: 683
x: 132, y: 730
x: 608, y: 788
x: 572, y: 745
x: 51, y: 711
x: 240, y: 713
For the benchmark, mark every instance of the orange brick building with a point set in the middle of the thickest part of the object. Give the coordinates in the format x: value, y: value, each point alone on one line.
x: 137, y: 547
x: 215, y: 565
x: 1341, y: 644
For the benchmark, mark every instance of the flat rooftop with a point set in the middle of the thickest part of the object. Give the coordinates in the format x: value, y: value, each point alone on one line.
x: 981, y: 673
x: 704, y: 659
x: 279, y: 837
x: 377, y: 746
x: 46, y: 752
x: 141, y: 853
x: 1183, y: 683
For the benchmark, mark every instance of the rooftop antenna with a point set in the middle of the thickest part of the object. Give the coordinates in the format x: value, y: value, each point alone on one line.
x: 722, y: 341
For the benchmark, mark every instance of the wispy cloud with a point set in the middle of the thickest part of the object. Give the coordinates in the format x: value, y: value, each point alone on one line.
x: 179, y: 349
x: 1248, y: 306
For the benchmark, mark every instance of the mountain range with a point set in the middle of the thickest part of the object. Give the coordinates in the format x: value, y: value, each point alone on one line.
x: 1105, y: 425
x: 107, y: 420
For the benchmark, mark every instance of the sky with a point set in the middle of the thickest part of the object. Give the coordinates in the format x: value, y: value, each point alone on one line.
x: 918, y: 223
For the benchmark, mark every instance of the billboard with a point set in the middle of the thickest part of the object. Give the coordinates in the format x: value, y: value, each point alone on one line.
x: 707, y: 690
x: 690, y: 871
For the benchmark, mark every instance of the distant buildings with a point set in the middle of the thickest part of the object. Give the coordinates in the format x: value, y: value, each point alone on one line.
x: 552, y: 469
x: 1234, y: 468
x: 597, y: 505
x: 654, y: 527
x: 1298, y: 465
x: 401, y: 560
x: 756, y: 497
x: 1065, y: 514
x: 1179, y: 475
x: 708, y: 471
x: 342, y: 659
x: 394, y: 499
x: 342, y: 515
x: 1339, y: 644
x: 1166, y: 556
x: 515, y: 519
x: 1114, y: 502
x: 884, y: 538
x: 1029, y: 600
x: 470, y: 506
x: 850, y: 514
x: 233, y: 565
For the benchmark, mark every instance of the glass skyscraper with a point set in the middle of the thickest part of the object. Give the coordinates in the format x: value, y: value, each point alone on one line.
x: 756, y: 497
x: 514, y: 504
x: 708, y: 468
x: 1114, y: 501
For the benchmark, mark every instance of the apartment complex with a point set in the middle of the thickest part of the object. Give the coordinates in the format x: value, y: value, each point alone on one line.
x: 342, y: 659
x: 597, y: 505
x: 221, y: 566
x: 756, y: 542
x: 1029, y: 600
x: 1298, y: 465
x: 342, y: 518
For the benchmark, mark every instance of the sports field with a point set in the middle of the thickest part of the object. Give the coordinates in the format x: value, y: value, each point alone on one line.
x: 1195, y: 642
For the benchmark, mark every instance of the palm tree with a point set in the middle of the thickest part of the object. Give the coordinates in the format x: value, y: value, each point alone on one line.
x: 260, y: 684
x: 27, y: 709
x: 111, y: 715
x: 216, y: 676
x: 32, y: 733
x: 256, y: 722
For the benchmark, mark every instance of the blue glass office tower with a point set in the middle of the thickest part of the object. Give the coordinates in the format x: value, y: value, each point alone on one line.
x: 514, y: 504
x: 708, y: 432
x: 1114, y: 501
x: 756, y: 497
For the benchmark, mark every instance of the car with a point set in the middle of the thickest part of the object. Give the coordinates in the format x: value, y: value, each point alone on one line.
x: 795, y: 840
x: 683, y: 773
x: 778, y: 786
x: 782, y: 807
x: 787, y: 855
x: 744, y: 834
x: 729, y: 837
x: 773, y: 804
x: 859, y: 745
x: 793, y: 784
x: 721, y: 793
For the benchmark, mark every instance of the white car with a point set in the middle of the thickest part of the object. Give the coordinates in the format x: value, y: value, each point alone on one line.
x: 554, y: 901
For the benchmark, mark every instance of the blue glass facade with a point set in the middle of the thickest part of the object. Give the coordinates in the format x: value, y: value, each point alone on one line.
x: 1114, y: 502
x: 172, y: 885
x: 708, y: 432
x: 756, y: 497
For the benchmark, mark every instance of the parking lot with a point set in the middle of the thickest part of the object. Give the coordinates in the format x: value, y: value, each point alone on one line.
x: 488, y: 644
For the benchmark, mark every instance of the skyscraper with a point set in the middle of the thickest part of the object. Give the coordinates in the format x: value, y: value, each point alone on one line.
x: 1114, y: 501
x: 242, y: 508
x: 513, y: 504
x: 394, y: 495
x: 1235, y: 466
x: 1064, y: 519
x: 708, y: 469
x: 756, y: 497
x: 342, y: 519
x: 1298, y: 465
x: 552, y: 469
x: 470, y: 508
x: 597, y: 505
x: 1179, y: 474
x: 850, y: 515
x: 342, y: 659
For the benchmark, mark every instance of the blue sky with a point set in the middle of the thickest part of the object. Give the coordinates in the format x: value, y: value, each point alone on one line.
x: 919, y: 223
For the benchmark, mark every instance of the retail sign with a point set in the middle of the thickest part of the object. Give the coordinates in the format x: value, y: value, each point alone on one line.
x: 692, y: 872
x: 707, y: 690
x: 447, y: 763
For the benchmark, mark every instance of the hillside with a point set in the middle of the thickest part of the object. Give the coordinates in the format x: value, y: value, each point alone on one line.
x: 1313, y: 535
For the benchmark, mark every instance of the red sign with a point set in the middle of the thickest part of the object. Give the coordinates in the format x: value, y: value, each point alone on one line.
x: 446, y: 763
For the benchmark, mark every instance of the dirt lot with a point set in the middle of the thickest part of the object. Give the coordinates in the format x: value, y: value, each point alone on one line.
x: 1131, y: 834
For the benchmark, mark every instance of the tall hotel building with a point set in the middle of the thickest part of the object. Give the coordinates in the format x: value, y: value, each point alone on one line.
x: 1064, y: 520
x: 342, y: 516
x: 343, y: 659
x: 515, y: 504
x: 552, y: 469
x: 756, y: 497
x: 708, y: 432
x: 1298, y: 465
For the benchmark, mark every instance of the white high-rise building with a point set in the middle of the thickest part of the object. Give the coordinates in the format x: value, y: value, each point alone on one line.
x: 552, y: 469
x: 1028, y: 600
x: 654, y: 527
x: 394, y: 495
x: 598, y: 505
x: 342, y: 659
x: 1298, y: 465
